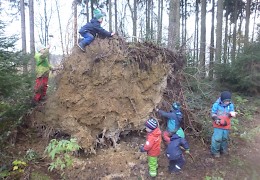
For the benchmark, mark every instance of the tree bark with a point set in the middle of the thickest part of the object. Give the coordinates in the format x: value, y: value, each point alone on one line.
x: 203, y: 39
x: 61, y: 36
x: 211, y: 56
x: 110, y: 15
x: 159, y: 21
x: 32, y: 39
x: 23, y: 30
x: 219, y: 31
x: 248, y: 5
x: 116, y: 16
x: 196, y: 37
x: 234, y: 36
x: 174, y: 25
x: 225, y: 55
x: 75, y: 12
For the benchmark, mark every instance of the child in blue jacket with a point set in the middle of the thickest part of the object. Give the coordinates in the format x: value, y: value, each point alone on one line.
x: 222, y: 111
x: 174, y: 118
x: 174, y: 153
x: 91, y: 29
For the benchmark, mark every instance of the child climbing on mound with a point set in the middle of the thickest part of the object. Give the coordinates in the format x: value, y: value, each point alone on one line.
x: 152, y: 145
x: 91, y: 29
x: 174, y: 118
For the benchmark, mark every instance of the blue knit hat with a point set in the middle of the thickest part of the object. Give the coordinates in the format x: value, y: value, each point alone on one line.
x: 151, y: 124
x: 225, y: 96
x: 176, y: 106
x: 98, y: 13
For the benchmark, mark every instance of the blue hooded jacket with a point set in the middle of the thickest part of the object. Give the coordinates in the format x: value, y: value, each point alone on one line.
x: 174, y: 119
x: 220, y: 109
x: 94, y: 28
x: 173, y: 151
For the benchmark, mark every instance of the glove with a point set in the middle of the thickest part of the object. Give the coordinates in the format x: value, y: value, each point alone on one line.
x: 216, y: 119
x: 223, y: 122
x: 232, y: 114
x: 187, y: 151
x: 142, y: 148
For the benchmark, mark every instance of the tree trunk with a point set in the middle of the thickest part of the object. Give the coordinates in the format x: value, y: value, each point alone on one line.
x: 203, y: 39
x: 23, y: 30
x: 248, y: 5
x: 196, y: 37
x: 239, y: 34
x: 148, y: 19
x: 174, y: 25
x: 225, y: 55
x: 185, y: 22
x: 87, y: 10
x: 75, y: 15
x: 151, y: 23
x: 253, y: 32
x: 159, y: 28
x: 219, y: 31
x: 211, y: 57
x: 135, y: 21
x: 116, y: 16
x: 182, y: 21
x: 110, y: 15
x: 32, y: 39
x: 61, y: 36
x: 234, y: 36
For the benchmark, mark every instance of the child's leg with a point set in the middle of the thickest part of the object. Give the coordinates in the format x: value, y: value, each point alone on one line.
x: 44, y: 86
x: 37, y: 89
x: 152, y: 163
x: 216, y: 141
x: 181, y: 161
x: 166, y: 137
x: 171, y: 165
x: 88, y: 38
x: 224, y: 143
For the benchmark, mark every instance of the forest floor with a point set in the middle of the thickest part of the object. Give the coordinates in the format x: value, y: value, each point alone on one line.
x: 126, y: 162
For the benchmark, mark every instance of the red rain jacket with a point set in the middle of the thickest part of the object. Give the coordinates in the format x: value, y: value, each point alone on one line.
x: 153, y: 142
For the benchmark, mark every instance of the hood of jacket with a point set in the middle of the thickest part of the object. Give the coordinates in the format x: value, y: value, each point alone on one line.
x: 156, y: 132
x: 175, y: 136
x: 221, y: 103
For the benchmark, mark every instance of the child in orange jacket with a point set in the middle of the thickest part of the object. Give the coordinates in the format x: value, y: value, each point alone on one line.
x: 152, y: 145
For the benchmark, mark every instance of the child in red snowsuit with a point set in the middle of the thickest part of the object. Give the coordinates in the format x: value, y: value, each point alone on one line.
x: 152, y: 145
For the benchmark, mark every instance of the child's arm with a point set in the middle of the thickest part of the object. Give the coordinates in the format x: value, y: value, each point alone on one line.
x: 166, y: 114
x: 185, y: 144
x: 104, y: 32
x: 148, y: 144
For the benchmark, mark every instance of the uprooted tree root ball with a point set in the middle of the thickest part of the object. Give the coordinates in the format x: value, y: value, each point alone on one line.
x: 111, y: 90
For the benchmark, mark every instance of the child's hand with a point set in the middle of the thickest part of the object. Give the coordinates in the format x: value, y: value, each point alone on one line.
x: 187, y: 151
x: 142, y: 148
x: 233, y: 114
x: 112, y: 34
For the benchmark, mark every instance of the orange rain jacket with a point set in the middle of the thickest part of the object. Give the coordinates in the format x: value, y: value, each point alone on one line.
x: 153, y: 142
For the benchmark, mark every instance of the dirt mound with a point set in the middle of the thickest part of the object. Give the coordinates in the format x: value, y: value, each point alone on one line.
x: 110, y: 90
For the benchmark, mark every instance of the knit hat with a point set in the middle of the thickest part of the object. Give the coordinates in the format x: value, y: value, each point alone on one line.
x: 99, y: 15
x: 151, y: 124
x: 225, y: 95
x: 40, y: 47
x: 176, y: 106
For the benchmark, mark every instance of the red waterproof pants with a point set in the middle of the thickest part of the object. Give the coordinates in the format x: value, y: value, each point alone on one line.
x: 40, y: 88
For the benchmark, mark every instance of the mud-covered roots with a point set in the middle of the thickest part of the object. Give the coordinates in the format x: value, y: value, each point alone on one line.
x: 112, y: 88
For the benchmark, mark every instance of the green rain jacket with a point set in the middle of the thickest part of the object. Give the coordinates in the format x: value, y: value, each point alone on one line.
x: 43, y: 66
